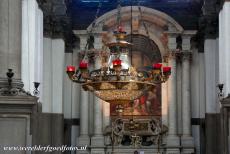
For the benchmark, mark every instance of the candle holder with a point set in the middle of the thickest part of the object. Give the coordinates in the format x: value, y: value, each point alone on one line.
x: 118, y: 80
x: 10, y: 75
x: 36, y: 91
x: 160, y: 73
x: 83, y: 66
x: 220, y: 93
x: 13, y: 88
x: 70, y: 70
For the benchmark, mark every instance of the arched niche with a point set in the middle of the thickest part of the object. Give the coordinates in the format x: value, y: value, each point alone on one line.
x: 157, y: 24
x: 146, y: 47
x: 144, y: 53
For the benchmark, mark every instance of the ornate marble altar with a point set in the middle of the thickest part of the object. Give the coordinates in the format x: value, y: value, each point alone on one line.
x: 135, y: 132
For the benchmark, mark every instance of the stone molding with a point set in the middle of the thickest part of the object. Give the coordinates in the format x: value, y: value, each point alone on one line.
x: 16, y: 88
x: 172, y: 54
x: 226, y: 101
x: 208, y: 29
x: 151, y: 17
x: 186, y: 56
x: 57, y: 22
x: 208, y: 23
x: 147, y: 13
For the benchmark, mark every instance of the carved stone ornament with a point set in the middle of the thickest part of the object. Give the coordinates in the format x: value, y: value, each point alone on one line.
x: 176, y: 54
x: 135, y: 130
x: 186, y: 56
x: 57, y: 23
x: 226, y: 101
x: 12, y: 87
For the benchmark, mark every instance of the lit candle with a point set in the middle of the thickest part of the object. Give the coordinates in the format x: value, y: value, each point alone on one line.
x: 83, y: 65
x: 70, y: 68
x: 166, y: 69
x: 157, y: 66
x: 120, y: 29
x: 117, y: 62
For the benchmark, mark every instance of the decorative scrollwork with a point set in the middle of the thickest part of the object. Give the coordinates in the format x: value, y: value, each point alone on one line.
x: 138, y: 131
x: 13, y: 87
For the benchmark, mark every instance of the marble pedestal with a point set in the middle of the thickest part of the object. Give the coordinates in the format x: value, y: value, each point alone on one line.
x: 173, y: 150
x: 187, y: 143
x: 97, y: 145
x: 131, y: 149
x: 18, y: 121
x: 173, y: 145
x: 97, y: 151
x: 83, y: 140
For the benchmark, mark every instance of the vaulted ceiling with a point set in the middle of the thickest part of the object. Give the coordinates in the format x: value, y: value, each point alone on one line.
x: 185, y: 12
x: 63, y: 16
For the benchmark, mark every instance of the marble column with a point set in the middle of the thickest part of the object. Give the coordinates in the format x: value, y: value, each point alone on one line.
x: 187, y: 140
x: 226, y: 9
x: 172, y: 138
x: 164, y: 97
x: 53, y: 66
x: 84, y: 136
x: 32, y: 45
x: 10, y: 40
x: 106, y: 120
x: 186, y: 103
x: 74, y: 104
x: 84, y: 105
x: 164, y: 106
x: 172, y: 106
x: 211, y: 79
x: 97, y: 141
x: 224, y: 47
x: 224, y: 72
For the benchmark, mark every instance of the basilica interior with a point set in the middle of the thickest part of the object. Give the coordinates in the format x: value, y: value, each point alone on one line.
x: 114, y: 76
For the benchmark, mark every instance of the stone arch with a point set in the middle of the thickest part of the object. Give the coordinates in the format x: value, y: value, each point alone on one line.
x: 157, y: 22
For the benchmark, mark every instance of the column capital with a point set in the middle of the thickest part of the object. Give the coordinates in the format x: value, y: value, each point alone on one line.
x: 186, y: 39
x: 83, y: 36
x: 188, y: 33
x: 172, y: 43
x: 186, y: 56
x: 98, y: 44
x: 171, y: 55
x: 57, y: 23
